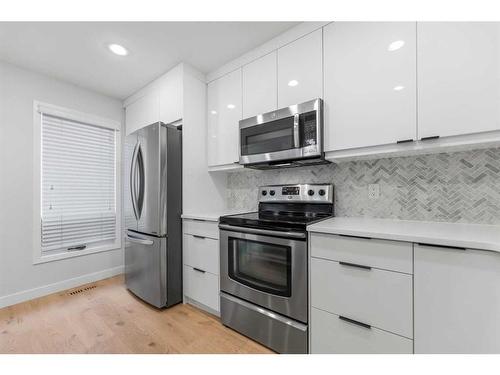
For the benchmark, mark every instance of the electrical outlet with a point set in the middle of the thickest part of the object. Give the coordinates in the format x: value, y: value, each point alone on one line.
x: 373, y: 191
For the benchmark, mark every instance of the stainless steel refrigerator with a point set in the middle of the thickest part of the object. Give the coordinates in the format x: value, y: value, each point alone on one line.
x: 153, y: 207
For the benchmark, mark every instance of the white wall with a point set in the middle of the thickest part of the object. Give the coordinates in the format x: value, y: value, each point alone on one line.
x: 19, y: 278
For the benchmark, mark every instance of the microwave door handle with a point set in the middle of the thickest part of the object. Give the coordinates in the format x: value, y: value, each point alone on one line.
x: 296, y: 130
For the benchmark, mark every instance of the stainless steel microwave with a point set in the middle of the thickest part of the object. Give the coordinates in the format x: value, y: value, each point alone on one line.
x: 286, y: 137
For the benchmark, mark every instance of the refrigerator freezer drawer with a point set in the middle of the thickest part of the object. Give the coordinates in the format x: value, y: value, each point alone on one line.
x: 145, y: 267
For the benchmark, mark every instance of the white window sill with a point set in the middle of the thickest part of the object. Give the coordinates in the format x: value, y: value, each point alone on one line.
x: 39, y: 259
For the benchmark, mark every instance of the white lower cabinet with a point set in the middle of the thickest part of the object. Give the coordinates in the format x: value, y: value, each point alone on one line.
x: 446, y: 301
x: 356, y: 306
x: 202, y: 287
x: 457, y: 300
x: 331, y: 334
x: 201, y: 264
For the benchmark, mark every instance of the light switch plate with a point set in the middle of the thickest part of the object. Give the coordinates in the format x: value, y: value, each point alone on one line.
x: 373, y: 191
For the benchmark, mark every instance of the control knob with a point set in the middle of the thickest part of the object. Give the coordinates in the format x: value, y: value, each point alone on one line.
x: 264, y: 192
x: 272, y: 192
x: 310, y: 192
x: 322, y: 192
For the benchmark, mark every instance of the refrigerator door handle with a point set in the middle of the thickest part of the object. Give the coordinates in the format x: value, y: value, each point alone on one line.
x: 133, y: 180
x: 139, y: 240
x: 140, y: 181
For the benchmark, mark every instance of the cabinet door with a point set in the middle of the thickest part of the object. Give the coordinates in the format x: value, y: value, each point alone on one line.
x: 458, y: 78
x: 300, y: 70
x: 171, y: 94
x: 224, y: 114
x: 457, y: 301
x: 143, y: 112
x: 370, y: 84
x: 260, y: 86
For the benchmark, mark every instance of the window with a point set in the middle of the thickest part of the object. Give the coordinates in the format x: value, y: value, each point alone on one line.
x: 78, y: 183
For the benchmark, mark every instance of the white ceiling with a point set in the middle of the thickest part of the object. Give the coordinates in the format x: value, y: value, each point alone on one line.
x: 77, y: 52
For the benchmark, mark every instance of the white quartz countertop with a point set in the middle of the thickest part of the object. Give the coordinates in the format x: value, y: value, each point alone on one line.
x: 208, y: 216
x: 472, y: 236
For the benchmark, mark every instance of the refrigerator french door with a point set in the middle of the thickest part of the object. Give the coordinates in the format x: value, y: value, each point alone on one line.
x: 153, y: 207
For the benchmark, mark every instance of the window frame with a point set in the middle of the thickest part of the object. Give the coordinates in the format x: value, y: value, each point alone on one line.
x: 70, y: 114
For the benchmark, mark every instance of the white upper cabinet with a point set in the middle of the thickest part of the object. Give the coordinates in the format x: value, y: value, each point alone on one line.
x: 260, y: 85
x: 224, y: 114
x: 369, y: 83
x: 162, y: 101
x: 171, y: 94
x: 458, y: 78
x: 300, y: 70
x: 143, y: 112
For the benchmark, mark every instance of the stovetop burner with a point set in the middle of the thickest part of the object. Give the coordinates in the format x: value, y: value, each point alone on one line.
x: 287, y: 207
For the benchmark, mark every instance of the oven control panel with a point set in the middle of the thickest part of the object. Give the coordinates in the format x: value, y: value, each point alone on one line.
x: 299, y: 193
x: 290, y: 190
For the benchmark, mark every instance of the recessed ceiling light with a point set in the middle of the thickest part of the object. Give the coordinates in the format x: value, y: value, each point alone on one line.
x: 398, y: 88
x: 231, y: 106
x: 118, y: 49
x: 293, y: 83
x: 397, y: 44
x: 213, y: 112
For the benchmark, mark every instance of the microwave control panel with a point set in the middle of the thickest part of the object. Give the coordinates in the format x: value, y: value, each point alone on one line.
x: 308, y: 128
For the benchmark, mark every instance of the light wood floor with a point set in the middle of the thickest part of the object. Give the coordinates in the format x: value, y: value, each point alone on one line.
x: 107, y: 318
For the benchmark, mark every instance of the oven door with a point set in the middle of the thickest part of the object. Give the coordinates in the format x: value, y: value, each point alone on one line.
x: 290, y: 133
x: 266, y: 270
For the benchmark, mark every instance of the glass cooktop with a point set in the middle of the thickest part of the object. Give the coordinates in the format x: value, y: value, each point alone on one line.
x: 275, y: 219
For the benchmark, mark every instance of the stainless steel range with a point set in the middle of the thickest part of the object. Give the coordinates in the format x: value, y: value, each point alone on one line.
x: 264, y: 282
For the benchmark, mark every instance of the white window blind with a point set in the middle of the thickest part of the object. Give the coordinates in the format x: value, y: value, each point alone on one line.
x: 78, y: 195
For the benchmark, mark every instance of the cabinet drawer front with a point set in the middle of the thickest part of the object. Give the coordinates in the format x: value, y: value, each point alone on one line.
x: 202, y: 287
x: 202, y: 253
x: 329, y: 334
x: 389, y: 255
x: 202, y: 228
x: 382, y: 299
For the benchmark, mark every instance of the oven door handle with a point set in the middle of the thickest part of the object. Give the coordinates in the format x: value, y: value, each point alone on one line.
x: 263, y: 231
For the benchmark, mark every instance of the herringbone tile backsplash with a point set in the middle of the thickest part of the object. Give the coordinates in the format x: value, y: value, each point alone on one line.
x: 453, y: 187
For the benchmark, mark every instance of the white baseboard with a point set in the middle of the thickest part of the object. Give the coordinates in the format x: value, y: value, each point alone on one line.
x: 201, y: 306
x: 30, y: 294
